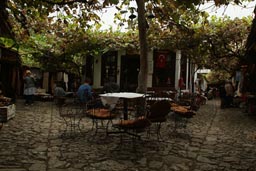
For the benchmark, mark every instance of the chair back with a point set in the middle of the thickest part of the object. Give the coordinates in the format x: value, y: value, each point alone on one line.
x: 159, y: 109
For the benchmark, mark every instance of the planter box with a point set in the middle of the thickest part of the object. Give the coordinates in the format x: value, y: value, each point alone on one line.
x: 7, y: 112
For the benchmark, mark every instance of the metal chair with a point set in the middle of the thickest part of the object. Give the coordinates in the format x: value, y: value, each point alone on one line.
x: 180, y: 116
x: 157, y: 114
x: 101, y: 117
x: 71, y: 114
x: 133, y: 127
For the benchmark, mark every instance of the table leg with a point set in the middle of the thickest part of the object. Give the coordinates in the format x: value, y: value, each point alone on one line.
x: 125, y: 110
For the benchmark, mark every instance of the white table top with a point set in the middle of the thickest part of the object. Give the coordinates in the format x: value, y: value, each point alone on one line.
x: 128, y: 95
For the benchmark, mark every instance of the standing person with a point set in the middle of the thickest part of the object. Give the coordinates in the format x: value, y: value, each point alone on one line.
x: 229, y: 93
x: 29, y: 88
x: 84, y: 92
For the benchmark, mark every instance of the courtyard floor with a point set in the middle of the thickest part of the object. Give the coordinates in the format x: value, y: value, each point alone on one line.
x: 214, y: 140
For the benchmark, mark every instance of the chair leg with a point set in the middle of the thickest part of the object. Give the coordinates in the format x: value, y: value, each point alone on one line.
x: 158, y: 131
x: 101, y: 124
x: 66, y: 126
x: 107, y: 126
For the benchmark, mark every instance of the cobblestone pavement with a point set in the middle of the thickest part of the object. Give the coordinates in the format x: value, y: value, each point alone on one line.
x: 214, y: 139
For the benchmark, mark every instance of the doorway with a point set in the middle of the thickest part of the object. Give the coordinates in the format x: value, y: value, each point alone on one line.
x: 130, y: 66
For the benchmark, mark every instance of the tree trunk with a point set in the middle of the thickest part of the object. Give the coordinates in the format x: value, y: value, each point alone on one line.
x: 142, y: 77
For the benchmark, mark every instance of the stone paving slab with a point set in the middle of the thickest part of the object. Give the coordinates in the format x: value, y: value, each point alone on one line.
x: 214, y: 139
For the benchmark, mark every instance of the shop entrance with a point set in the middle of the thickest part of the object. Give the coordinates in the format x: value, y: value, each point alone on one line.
x: 130, y: 66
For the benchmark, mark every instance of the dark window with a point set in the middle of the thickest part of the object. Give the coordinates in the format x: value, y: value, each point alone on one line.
x: 108, y: 66
x: 130, y: 67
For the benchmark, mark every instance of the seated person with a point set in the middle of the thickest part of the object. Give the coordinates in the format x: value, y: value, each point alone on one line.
x: 84, y: 92
x: 110, y: 86
x: 59, y: 91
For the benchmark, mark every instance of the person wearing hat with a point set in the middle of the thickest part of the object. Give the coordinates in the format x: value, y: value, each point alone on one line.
x: 29, y: 88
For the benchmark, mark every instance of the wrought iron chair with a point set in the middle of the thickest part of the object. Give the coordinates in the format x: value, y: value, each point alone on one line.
x: 180, y: 116
x: 136, y: 125
x: 101, y: 116
x: 133, y: 127
x: 157, y: 114
x: 71, y: 115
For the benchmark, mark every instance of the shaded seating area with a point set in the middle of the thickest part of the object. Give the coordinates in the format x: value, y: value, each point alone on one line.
x: 103, y: 152
x: 117, y: 113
